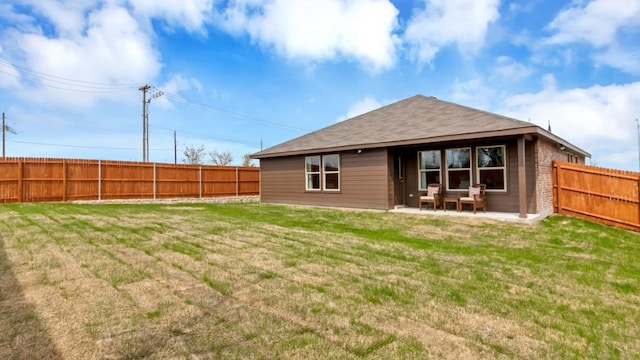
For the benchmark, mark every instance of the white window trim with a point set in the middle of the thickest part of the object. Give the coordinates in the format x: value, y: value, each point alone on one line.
x: 446, y: 162
x: 324, y: 173
x: 420, y: 171
x: 307, y: 173
x: 504, y: 167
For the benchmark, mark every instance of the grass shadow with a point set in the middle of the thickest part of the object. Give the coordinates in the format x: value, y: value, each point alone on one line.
x: 22, y: 335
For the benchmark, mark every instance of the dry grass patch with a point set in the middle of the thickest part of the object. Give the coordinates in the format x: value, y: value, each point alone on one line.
x: 125, y: 281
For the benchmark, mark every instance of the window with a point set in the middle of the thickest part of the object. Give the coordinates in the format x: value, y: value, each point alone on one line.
x: 322, y: 171
x: 458, y: 168
x: 312, y: 172
x: 331, y: 169
x: 428, y: 168
x: 491, y: 167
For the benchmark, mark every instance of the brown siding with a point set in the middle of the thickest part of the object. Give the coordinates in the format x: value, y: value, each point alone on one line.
x: 367, y: 179
x: 391, y: 199
x: 364, y: 181
x: 506, y: 201
x: 496, y: 201
x: 411, y: 179
x: 509, y: 201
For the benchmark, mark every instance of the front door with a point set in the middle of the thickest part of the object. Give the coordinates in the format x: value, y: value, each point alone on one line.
x: 400, y: 187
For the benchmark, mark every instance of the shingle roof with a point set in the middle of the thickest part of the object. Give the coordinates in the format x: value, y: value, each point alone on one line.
x: 415, y: 120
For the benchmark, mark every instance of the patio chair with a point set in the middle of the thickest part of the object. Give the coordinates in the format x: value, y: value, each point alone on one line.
x: 476, y: 197
x: 433, y: 195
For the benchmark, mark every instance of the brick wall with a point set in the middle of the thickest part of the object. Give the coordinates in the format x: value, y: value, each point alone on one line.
x: 546, y: 153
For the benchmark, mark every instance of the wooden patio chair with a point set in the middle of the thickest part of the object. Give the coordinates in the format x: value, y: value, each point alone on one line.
x: 433, y: 195
x: 476, y: 197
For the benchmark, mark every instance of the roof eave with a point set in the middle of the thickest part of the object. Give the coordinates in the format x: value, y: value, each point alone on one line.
x: 430, y: 140
x: 562, y: 142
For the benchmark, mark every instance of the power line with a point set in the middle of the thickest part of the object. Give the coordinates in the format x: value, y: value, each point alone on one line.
x: 64, y: 80
x: 67, y: 84
x: 201, y: 135
x: 181, y: 100
x: 55, y: 82
x: 83, y: 146
x: 81, y: 90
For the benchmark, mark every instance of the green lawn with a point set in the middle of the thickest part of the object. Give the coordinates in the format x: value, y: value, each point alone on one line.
x: 262, y: 281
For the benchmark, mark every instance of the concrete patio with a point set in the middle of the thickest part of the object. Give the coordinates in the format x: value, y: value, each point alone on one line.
x: 489, y: 215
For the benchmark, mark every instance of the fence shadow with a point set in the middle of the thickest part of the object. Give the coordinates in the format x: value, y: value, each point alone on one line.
x: 22, y: 334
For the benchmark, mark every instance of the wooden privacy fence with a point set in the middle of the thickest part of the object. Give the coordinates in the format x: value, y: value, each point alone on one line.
x: 607, y: 196
x: 38, y: 180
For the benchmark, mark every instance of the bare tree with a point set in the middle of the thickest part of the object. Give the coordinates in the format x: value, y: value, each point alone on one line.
x: 221, y: 159
x: 247, y: 160
x: 193, y: 155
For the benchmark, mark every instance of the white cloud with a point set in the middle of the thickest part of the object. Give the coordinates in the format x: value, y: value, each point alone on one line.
x: 473, y: 92
x: 623, y: 59
x: 9, y: 75
x: 108, y: 47
x: 509, y: 69
x: 598, y: 118
x: 191, y: 15
x: 176, y: 84
x: 66, y: 17
x: 596, y: 23
x: 442, y: 23
x: 484, y: 90
x: 609, y: 26
x: 99, y: 43
x: 549, y: 82
x: 527, y: 6
x: 320, y: 30
x: 623, y: 159
x: 360, y: 107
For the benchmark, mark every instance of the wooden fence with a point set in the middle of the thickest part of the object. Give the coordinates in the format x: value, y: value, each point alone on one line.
x: 39, y: 180
x: 607, y: 196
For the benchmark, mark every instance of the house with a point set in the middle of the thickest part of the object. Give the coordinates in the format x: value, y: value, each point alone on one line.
x: 384, y: 158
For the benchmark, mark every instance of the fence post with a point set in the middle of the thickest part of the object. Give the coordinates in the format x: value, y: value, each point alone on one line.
x: 638, y: 197
x: 558, y: 188
x: 554, y: 186
x: 237, y: 182
x: 64, y: 180
x: 19, y: 187
x: 154, y: 181
x: 200, y: 181
x: 99, y: 180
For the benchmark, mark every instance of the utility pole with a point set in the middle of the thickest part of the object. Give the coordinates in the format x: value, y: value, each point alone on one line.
x: 145, y: 119
x: 175, y: 148
x: 5, y: 128
x: 3, y: 138
x: 144, y: 90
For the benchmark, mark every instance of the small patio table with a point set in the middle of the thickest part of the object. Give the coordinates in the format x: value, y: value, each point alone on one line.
x: 451, y: 200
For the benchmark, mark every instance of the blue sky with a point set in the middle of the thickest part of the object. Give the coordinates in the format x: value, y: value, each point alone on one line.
x: 238, y: 75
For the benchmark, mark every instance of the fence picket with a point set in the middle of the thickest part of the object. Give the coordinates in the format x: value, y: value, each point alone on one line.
x: 46, y: 179
x: 608, y: 196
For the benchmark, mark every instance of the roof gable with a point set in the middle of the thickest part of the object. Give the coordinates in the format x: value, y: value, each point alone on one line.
x: 418, y: 119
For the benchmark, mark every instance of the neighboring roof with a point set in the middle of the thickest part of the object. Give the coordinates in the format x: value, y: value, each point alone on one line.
x: 415, y: 120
